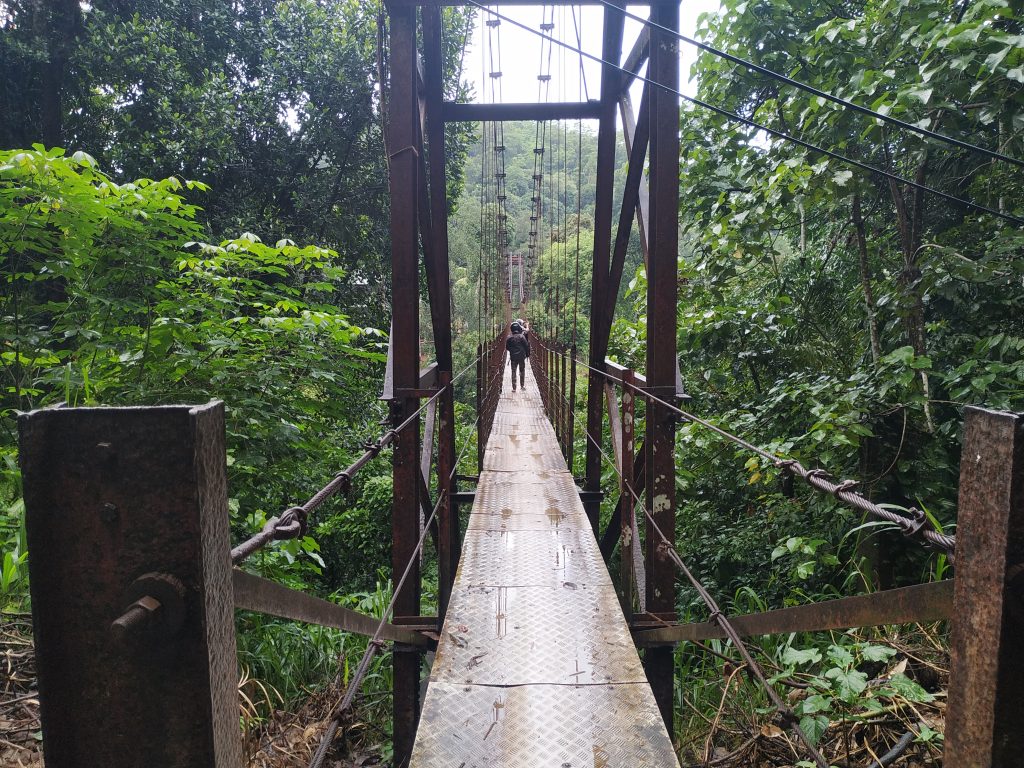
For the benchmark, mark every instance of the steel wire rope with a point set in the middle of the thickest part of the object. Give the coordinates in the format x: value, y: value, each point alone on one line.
x: 581, y: 88
x: 584, y: 90
x: 780, y: 134
x: 787, y: 718
x: 917, y: 524
x: 292, y: 522
x: 540, y: 146
x: 497, y: 140
x: 372, y: 648
x: 959, y: 143
x: 552, y: 253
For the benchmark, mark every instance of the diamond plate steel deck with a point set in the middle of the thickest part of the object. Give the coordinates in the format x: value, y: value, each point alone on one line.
x: 541, y: 726
x: 535, y: 666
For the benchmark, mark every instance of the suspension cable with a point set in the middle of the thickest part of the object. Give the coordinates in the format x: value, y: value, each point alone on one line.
x: 995, y: 155
x: 786, y: 716
x: 293, y: 522
x: 914, y: 524
x: 373, y: 647
x: 777, y: 133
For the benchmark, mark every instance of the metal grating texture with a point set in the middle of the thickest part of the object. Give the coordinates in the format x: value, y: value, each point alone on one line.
x: 541, y: 726
x: 530, y: 635
x: 530, y: 558
x: 535, y: 666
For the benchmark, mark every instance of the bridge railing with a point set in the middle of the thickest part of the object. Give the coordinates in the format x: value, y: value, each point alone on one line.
x: 984, y: 602
x: 134, y: 583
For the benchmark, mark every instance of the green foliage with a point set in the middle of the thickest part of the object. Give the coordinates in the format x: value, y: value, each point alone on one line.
x: 294, y: 660
x: 825, y: 314
x: 830, y: 316
x: 273, y: 104
x: 111, y: 298
x: 838, y: 689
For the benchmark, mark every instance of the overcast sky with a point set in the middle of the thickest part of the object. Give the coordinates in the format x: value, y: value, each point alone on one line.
x: 521, y: 51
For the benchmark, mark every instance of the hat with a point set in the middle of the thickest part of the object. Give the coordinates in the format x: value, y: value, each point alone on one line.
x: 517, y: 328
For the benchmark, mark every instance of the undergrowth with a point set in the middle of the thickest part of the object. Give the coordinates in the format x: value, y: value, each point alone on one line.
x: 856, y: 694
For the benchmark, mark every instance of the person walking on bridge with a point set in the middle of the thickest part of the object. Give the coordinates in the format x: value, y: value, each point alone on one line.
x: 518, y: 348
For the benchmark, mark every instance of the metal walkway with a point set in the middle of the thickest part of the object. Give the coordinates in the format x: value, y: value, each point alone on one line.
x: 535, y: 666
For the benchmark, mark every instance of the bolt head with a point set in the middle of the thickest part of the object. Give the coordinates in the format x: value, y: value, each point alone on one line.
x: 108, y: 512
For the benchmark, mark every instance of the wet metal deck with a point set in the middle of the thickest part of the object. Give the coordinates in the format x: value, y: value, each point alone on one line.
x: 535, y: 666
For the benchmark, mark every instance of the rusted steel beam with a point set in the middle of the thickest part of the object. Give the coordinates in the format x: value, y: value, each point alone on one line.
x: 613, y: 532
x: 427, y: 449
x: 403, y: 130
x: 254, y: 593
x: 920, y: 603
x: 436, y: 288
x: 615, y: 372
x: 635, y: 59
x: 627, y: 490
x: 630, y: 205
x: 455, y: 111
x: 986, y: 685
x: 599, y: 324
x: 570, y: 460
x: 438, y: 264
x: 448, y: 536
x: 130, y: 574
x: 615, y: 425
x: 662, y: 277
x: 481, y: 373
x: 643, y: 194
x: 388, y: 391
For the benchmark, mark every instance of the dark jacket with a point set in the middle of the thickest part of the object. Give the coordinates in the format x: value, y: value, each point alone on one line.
x: 518, y: 347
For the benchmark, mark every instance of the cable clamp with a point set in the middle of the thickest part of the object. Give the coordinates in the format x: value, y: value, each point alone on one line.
x: 291, y: 524
x: 916, y: 522
x: 845, y: 485
x: 819, y: 474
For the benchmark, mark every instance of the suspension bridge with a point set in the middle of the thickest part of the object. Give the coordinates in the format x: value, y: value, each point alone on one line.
x: 538, y: 654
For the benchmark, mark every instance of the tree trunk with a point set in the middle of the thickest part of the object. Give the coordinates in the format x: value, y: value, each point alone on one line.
x: 910, y: 220
x: 61, y: 20
x: 865, y: 280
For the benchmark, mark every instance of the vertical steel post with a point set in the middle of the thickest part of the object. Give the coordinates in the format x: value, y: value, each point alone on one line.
x: 481, y: 373
x: 448, y: 519
x: 571, y: 458
x: 448, y: 524
x: 662, y: 276
x: 566, y: 406
x: 550, y: 384
x: 603, y: 201
x: 132, y: 603
x: 404, y: 168
x: 986, y: 684
x: 627, y: 489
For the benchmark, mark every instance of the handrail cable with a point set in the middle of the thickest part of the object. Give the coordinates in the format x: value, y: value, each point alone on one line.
x: 375, y: 644
x: 917, y: 524
x: 292, y: 522
x: 959, y: 143
x: 786, y: 716
x: 774, y: 132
